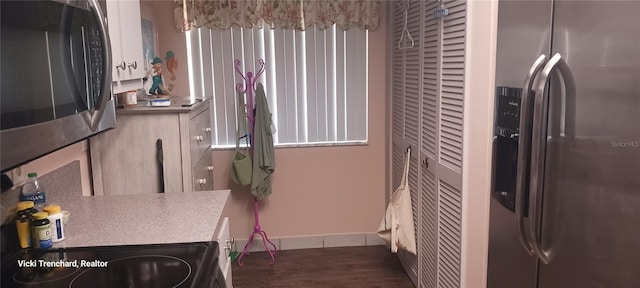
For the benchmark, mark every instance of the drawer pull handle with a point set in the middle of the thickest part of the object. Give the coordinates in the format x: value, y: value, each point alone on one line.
x: 121, y: 66
x: 199, y: 138
x: 210, y: 168
x: 230, y: 245
x: 133, y: 65
x: 208, y: 129
x: 202, y: 181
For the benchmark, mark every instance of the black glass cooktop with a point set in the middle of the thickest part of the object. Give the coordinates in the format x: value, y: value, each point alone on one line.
x: 162, y: 265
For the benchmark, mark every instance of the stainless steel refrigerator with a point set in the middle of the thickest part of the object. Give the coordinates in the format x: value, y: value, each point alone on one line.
x: 565, y: 205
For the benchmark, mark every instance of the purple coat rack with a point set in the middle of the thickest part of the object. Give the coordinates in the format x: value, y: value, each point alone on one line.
x: 249, y: 88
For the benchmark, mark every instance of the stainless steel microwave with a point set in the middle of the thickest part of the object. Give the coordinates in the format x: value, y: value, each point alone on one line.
x: 55, y: 78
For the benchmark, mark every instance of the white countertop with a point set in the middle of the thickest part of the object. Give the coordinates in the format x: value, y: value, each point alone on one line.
x: 142, y: 219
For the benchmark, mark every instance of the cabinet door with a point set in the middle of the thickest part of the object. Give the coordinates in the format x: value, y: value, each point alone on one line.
x: 125, y: 31
x: 113, y: 18
x: 131, y: 40
x: 224, y: 244
x: 127, y: 155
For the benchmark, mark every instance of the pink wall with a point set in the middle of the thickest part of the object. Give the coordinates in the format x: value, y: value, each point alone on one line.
x: 316, y: 191
x: 322, y: 190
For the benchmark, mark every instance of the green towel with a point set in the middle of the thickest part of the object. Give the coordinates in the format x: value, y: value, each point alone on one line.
x: 264, y: 162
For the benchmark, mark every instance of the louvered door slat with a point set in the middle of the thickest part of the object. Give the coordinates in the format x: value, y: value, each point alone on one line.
x: 452, y: 79
x: 454, y: 28
x: 412, y: 74
x: 449, y: 158
x: 413, y: 183
x: 398, y: 79
x: 450, y: 223
x: 457, y: 19
x: 456, y: 36
x: 450, y: 155
x: 453, y: 46
x: 451, y: 143
x: 451, y: 108
x: 415, y: 189
x: 397, y: 164
x: 456, y: 6
x: 429, y: 223
x: 454, y: 64
x: 430, y: 62
x: 452, y: 92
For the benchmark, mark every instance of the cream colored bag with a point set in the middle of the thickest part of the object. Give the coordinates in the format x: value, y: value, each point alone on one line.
x: 397, y: 228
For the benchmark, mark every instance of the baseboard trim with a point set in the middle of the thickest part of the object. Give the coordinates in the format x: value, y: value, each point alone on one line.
x: 310, y: 242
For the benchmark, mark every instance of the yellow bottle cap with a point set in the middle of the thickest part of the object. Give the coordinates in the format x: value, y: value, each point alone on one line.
x: 23, y: 205
x: 40, y: 215
x: 52, y: 209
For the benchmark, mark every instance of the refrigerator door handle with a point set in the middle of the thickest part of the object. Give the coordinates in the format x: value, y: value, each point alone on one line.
x: 523, y: 151
x: 539, y: 147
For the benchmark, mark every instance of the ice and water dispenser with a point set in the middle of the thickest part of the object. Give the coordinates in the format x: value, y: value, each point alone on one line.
x: 505, y: 145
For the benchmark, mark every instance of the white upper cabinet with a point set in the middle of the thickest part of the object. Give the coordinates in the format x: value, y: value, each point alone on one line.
x: 126, y: 44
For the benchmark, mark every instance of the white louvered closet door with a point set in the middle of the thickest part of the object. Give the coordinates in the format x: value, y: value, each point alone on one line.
x: 407, y: 71
x: 397, y: 80
x: 428, y: 244
x: 449, y: 170
x: 427, y: 114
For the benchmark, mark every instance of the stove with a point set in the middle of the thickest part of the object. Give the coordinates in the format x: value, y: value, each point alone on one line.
x: 156, y: 265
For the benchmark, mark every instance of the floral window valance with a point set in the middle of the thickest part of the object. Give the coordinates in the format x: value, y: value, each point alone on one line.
x: 282, y: 14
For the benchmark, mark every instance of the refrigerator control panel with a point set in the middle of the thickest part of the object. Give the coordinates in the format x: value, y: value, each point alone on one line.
x: 508, y: 109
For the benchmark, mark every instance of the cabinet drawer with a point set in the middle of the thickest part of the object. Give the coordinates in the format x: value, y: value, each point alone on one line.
x: 203, y: 173
x: 199, y: 135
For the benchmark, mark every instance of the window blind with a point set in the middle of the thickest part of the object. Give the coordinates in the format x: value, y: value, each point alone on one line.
x: 315, y: 80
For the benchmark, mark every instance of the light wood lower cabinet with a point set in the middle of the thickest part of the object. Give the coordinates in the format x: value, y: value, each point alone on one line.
x: 223, y: 237
x: 126, y: 160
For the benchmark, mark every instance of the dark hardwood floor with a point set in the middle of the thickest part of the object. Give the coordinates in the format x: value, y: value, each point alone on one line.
x: 370, y: 266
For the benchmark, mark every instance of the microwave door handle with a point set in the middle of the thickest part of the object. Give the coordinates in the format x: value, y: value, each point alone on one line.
x: 67, y: 66
x: 105, y: 90
x: 523, y: 151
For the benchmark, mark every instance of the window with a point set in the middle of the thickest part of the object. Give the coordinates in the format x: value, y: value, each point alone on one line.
x: 315, y: 81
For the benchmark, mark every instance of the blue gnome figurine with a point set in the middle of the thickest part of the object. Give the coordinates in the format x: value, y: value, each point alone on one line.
x: 156, y: 77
